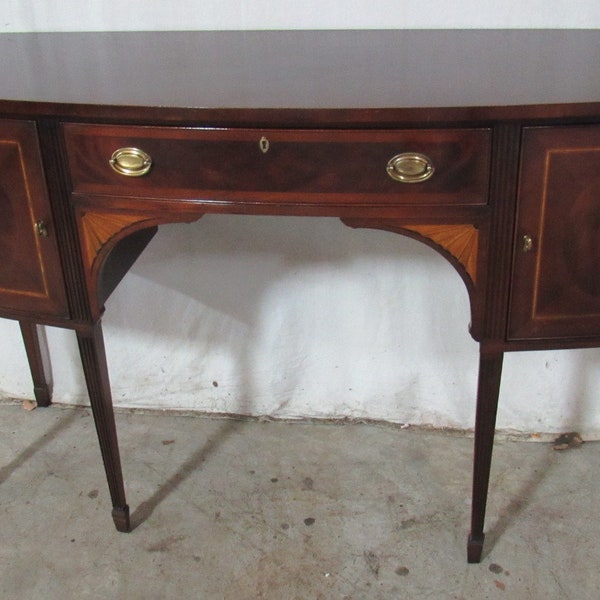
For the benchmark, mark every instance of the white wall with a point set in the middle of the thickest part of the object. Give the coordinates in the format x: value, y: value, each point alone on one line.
x: 51, y: 15
x: 298, y: 317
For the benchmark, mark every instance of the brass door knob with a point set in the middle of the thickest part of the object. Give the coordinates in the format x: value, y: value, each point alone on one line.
x: 41, y: 228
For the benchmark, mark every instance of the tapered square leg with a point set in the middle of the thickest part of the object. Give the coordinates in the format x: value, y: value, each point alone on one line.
x: 36, y: 350
x: 120, y: 517
x: 475, y: 549
x: 93, y: 357
x: 490, y: 372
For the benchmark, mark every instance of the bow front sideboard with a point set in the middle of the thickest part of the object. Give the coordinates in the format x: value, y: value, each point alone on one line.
x: 485, y: 145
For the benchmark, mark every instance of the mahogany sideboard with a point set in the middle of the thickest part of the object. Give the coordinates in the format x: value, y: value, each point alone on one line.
x: 485, y: 145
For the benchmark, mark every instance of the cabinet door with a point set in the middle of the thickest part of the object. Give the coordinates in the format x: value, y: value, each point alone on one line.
x: 556, y: 273
x: 30, y: 273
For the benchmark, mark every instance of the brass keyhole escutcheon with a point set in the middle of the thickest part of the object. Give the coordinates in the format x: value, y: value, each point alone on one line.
x: 527, y: 243
x: 264, y: 144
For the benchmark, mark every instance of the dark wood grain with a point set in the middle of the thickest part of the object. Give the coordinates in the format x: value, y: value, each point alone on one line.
x: 399, y: 73
x: 30, y: 270
x: 300, y: 166
x: 556, y: 290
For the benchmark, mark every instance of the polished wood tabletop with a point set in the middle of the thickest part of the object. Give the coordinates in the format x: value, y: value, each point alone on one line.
x: 339, y: 70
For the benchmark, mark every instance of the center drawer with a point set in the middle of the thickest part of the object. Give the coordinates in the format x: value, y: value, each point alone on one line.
x: 425, y: 166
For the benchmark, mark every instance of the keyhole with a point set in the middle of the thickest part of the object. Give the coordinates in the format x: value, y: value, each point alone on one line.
x: 264, y: 144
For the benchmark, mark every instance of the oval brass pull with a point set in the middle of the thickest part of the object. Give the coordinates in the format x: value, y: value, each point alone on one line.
x: 410, y: 167
x: 527, y: 243
x: 131, y: 162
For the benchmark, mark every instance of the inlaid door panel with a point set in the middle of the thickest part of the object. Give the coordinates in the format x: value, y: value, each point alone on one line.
x: 556, y: 274
x: 30, y: 272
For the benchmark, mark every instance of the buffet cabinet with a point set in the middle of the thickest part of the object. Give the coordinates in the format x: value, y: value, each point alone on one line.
x: 509, y: 194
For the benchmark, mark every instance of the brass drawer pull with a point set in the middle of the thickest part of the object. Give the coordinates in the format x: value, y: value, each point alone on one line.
x: 410, y: 167
x: 131, y: 162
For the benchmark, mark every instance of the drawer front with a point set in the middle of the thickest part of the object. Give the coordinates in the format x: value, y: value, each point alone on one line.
x: 284, y: 166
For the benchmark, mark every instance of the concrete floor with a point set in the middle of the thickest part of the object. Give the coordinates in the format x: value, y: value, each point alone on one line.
x: 247, y: 510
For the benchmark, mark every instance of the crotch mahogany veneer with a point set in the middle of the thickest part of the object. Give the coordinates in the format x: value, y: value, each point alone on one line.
x: 485, y: 145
